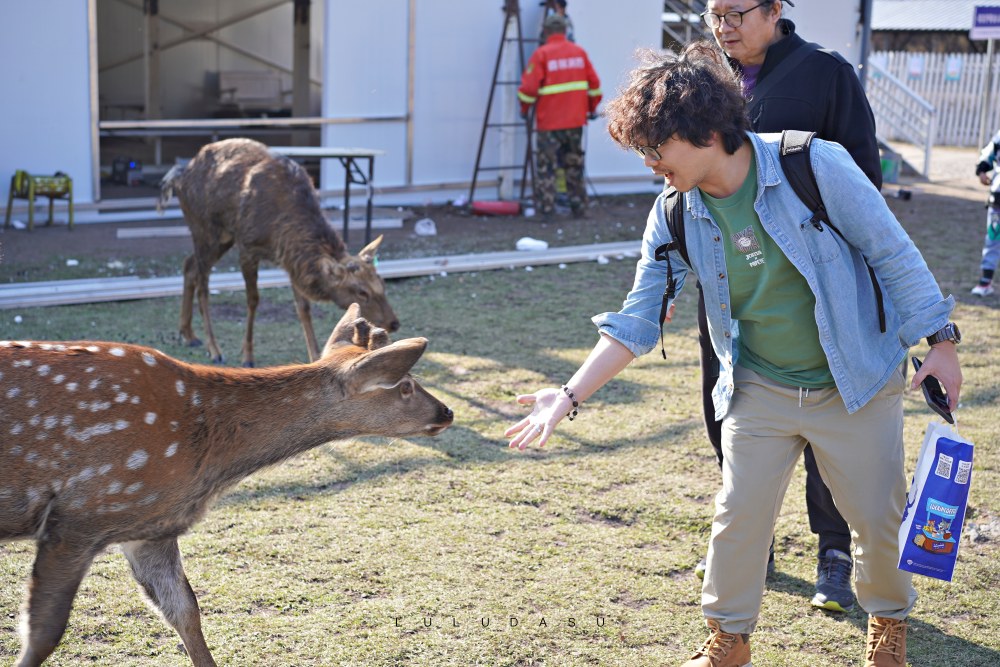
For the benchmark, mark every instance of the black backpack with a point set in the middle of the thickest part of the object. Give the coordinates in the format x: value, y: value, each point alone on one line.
x: 794, y: 157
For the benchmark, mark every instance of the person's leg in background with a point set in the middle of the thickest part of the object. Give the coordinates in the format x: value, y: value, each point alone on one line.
x: 833, y: 561
x: 546, y: 158
x: 572, y: 160
x: 991, y: 253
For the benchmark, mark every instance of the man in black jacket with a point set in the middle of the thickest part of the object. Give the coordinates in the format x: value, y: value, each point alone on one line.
x: 794, y: 85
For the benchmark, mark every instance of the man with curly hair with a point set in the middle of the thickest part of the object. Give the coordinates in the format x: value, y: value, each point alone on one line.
x: 793, y: 319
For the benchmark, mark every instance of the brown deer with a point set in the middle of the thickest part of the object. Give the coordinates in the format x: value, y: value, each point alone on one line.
x: 236, y: 192
x: 107, y: 443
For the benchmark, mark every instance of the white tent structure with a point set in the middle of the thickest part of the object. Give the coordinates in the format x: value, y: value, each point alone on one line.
x: 407, y: 77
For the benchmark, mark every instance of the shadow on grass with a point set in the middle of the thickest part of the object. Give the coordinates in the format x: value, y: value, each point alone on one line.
x: 461, y: 447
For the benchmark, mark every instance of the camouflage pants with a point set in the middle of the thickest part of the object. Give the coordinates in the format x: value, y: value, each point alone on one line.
x: 554, y: 149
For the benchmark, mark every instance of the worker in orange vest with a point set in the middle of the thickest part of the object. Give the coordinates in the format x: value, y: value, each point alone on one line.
x: 562, y: 84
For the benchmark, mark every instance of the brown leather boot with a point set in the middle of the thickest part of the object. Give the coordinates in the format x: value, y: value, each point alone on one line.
x: 886, y: 642
x: 722, y: 649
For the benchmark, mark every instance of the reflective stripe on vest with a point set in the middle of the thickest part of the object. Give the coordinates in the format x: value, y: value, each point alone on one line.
x: 527, y: 99
x: 562, y: 88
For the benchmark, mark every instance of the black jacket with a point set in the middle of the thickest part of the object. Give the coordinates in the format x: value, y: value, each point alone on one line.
x: 822, y: 95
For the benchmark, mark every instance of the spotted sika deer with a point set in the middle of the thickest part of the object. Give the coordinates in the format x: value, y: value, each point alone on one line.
x: 107, y: 443
x: 236, y: 192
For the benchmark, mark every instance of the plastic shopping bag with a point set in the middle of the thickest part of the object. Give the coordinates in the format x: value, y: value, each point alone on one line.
x: 935, y: 506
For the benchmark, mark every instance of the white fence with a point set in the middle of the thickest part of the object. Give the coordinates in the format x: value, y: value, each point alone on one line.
x: 953, y: 83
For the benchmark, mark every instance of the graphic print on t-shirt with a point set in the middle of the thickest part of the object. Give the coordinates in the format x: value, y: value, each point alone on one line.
x: 747, y: 245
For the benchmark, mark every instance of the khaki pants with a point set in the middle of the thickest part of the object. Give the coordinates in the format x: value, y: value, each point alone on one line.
x: 860, y: 457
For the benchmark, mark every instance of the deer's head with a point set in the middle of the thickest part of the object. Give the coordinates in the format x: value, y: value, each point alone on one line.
x: 376, y: 373
x: 354, y: 279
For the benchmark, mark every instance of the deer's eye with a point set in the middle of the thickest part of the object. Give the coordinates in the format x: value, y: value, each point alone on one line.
x: 362, y: 296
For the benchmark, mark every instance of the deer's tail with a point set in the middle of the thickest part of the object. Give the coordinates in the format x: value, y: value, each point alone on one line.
x: 167, y: 186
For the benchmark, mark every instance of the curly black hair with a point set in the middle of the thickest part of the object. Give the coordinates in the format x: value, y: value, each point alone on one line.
x: 691, y: 95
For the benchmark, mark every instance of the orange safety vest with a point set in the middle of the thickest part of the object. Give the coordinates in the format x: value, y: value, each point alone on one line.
x: 562, y: 84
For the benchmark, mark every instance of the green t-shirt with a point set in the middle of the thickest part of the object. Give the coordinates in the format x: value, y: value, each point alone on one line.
x: 772, y: 302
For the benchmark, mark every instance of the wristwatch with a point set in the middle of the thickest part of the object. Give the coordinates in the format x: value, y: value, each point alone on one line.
x: 948, y: 332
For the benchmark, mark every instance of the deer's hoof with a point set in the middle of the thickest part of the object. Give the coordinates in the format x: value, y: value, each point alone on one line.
x: 248, y: 364
x: 193, y: 342
x: 219, y: 359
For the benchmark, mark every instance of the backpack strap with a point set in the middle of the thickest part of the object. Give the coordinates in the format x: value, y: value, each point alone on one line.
x: 673, y: 205
x: 796, y: 163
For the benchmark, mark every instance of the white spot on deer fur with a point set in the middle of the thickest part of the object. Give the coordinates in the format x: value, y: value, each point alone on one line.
x: 31, y: 457
x: 100, y: 405
x: 93, y: 383
x: 114, y: 507
x: 171, y: 450
x: 16, y: 428
x: 89, y: 432
x: 44, y: 369
x: 117, y: 351
x: 105, y: 469
x: 174, y: 426
x: 71, y: 386
x: 195, y: 399
x: 13, y: 391
x: 121, y: 397
x: 135, y: 400
x: 32, y: 402
x: 89, y: 369
x: 132, y: 488
x: 150, y: 499
x: 121, y: 425
x: 50, y: 422
x: 149, y: 359
x: 136, y: 459
x: 66, y: 420
x: 114, y: 487
x: 180, y: 387
x: 58, y: 379
x: 16, y: 450
x: 24, y: 362
x: 35, y: 420
x: 150, y: 418
x: 93, y: 348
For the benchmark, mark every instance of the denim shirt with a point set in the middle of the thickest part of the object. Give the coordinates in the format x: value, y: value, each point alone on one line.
x: 861, y: 358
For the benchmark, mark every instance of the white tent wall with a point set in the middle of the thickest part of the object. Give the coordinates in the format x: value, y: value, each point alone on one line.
x: 455, y: 46
x: 45, y: 122
x: 834, y: 25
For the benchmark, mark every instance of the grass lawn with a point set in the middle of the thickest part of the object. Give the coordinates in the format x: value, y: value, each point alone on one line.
x: 457, y: 551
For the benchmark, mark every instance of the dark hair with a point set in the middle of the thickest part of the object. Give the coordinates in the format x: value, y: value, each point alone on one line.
x: 690, y: 95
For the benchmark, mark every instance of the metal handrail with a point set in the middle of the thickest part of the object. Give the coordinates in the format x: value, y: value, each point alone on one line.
x: 899, y: 107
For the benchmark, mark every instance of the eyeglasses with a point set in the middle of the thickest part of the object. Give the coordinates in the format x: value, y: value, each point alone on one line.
x: 733, y: 19
x: 649, y: 151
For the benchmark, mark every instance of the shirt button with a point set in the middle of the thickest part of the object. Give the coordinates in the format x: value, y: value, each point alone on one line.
x: 727, y: 334
x: 723, y: 306
x: 722, y: 276
x: 716, y: 239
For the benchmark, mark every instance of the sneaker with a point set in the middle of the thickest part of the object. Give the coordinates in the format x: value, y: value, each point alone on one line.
x: 699, y: 569
x: 983, y: 290
x: 833, y: 582
x: 886, y: 642
x: 722, y: 649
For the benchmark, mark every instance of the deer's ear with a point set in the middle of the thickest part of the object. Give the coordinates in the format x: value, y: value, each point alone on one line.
x: 368, y: 252
x: 386, y: 366
x: 331, y: 270
x: 346, y: 328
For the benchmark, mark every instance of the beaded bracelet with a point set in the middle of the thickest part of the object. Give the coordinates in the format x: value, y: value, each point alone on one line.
x: 576, y: 404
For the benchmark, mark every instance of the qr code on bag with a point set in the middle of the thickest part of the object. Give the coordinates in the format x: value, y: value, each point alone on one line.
x: 944, y: 465
x: 964, y: 470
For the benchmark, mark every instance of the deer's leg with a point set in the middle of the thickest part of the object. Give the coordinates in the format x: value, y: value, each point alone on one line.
x: 187, y: 302
x: 249, y: 266
x: 156, y: 565
x: 302, y: 307
x: 206, y: 255
x: 60, y: 566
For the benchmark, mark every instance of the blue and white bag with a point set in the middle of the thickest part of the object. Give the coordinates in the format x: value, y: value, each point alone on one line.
x: 935, y: 506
